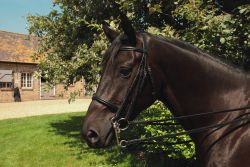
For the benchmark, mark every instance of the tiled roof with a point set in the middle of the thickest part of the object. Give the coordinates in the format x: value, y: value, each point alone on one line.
x: 16, y: 47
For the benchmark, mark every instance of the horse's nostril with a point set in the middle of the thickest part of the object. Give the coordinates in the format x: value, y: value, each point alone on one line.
x: 93, y: 136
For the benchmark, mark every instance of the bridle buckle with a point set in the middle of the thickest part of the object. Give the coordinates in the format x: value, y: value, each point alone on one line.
x: 118, y: 126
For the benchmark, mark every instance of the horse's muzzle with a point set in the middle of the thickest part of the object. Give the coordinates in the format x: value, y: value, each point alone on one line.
x: 98, y: 134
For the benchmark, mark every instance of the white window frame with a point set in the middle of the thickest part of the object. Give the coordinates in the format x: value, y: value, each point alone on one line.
x: 25, y: 83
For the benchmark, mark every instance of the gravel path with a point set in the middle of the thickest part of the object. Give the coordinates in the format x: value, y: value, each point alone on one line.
x: 41, y: 107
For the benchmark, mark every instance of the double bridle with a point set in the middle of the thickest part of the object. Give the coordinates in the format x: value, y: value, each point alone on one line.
x: 120, y: 121
x: 124, y: 111
x: 144, y: 71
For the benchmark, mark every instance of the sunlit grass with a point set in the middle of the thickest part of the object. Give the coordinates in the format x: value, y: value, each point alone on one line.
x: 54, y: 141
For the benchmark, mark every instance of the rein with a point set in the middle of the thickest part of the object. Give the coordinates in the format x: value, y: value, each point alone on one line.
x: 123, y: 112
x: 124, y: 143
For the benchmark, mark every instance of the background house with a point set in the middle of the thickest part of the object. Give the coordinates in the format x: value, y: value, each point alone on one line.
x: 17, y: 70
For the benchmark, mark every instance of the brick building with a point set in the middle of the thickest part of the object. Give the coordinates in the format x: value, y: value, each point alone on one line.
x: 17, y: 69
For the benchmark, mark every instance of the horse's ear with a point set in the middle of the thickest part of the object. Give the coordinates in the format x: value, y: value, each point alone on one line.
x: 109, y: 32
x: 128, y: 29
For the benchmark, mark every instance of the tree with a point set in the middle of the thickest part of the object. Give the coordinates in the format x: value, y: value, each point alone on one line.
x: 72, y: 42
x: 229, y: 5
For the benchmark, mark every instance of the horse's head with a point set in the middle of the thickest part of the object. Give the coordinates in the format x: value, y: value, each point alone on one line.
x: 125, y: 87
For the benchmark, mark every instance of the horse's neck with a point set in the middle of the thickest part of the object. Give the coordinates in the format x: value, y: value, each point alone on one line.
x: 192, y: 83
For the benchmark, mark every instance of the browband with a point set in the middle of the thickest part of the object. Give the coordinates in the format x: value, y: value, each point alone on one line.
x: 128, y: 48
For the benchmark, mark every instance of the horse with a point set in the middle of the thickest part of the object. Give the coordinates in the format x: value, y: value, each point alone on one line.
x: 140, y: 68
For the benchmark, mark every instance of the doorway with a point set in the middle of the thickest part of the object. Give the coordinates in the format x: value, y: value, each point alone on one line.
x: 46, y: 93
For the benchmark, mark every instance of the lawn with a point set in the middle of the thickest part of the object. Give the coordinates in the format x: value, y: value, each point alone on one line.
x: 54, y: 141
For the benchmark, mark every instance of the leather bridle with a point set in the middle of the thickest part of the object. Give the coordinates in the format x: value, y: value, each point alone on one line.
x: 124, y: 111
x: 144, y: 71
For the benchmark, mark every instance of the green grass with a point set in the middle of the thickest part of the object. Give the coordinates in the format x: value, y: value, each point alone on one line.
x: 54, y: 141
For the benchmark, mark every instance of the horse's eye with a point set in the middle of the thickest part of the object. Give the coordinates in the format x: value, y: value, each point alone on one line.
x: 125, y: 72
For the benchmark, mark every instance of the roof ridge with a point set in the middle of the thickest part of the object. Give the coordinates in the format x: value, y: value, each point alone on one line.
x: 16, y: 33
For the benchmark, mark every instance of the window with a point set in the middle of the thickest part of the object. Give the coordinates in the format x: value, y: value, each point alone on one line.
x: 6, y: 79
x: 6, y: 85
x: 26, y: 80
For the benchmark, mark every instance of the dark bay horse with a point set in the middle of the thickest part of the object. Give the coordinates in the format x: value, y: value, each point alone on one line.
x: 184, y: 78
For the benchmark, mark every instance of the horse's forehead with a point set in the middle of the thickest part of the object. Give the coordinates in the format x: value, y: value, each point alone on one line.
x: 125, y: 58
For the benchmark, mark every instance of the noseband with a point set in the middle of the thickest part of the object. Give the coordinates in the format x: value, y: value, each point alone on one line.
x: 144, y: 71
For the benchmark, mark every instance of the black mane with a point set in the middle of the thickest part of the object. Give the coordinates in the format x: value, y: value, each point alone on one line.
x: 191, y: 48
x: 116, y: 44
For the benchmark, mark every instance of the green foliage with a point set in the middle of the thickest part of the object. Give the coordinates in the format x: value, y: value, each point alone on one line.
x: 180, y: 151
x: 219, y: 33
x: 72, y: 41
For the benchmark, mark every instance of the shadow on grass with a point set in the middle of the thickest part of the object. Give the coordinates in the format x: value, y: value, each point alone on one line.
x: 70, y: 128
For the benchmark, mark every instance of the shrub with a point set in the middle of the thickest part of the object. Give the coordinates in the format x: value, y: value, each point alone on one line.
x: 180, y: 151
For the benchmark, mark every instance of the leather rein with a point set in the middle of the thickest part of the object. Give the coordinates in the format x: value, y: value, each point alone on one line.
x: 120, y: 122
